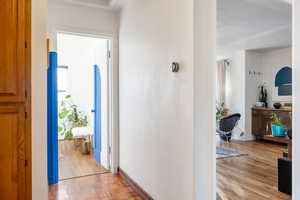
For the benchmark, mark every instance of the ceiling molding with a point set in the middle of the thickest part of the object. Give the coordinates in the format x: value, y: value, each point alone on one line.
x: 103, y: 4
x: 287, y: 1
x: 117, y: 4
x: 276, y: 38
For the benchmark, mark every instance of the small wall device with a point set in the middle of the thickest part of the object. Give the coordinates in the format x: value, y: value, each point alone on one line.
x: 175, y: 67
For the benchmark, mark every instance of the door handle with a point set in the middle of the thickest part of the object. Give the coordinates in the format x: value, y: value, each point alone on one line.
x: 93, y: 111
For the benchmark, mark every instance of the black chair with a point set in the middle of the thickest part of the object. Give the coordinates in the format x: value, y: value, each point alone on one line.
x: 226, y: 126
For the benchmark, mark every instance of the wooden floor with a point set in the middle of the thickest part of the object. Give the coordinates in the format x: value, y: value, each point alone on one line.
x: 72, y: 163
x: 97, y: 187
x: 252, y: 177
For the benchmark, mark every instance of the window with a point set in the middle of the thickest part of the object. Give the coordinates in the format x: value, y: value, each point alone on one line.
x: 62, y: 82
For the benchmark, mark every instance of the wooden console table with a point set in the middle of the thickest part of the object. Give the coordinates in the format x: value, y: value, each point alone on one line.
x: 261, y: 123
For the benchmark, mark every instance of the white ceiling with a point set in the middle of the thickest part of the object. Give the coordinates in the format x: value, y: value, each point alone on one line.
x: 252, y: 24
x: 242, y: 24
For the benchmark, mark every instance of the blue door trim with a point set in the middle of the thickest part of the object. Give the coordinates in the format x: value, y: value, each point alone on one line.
x: 97, y: 114
x: 52, y: 119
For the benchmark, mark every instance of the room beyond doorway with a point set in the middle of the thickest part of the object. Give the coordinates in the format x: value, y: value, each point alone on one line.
x: 82, y: 90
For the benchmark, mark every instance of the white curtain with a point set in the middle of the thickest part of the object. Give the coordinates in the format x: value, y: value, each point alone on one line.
x: 221, y: 80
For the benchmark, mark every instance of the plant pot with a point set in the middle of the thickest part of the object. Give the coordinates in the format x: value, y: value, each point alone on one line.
x: 278, y: 131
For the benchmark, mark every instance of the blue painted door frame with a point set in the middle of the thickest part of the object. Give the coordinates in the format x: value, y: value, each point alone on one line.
x: 97, y: 114
x: 52, y: 119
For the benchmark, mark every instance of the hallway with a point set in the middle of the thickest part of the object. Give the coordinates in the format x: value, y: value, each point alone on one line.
x: 104, y: 186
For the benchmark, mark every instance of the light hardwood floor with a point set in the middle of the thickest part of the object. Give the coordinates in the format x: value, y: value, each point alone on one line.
x: 72, y: 163
x: 252, y: 177
x: 97, y: 187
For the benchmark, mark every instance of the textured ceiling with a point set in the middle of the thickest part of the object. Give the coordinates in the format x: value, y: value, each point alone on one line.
x: 252, y: 24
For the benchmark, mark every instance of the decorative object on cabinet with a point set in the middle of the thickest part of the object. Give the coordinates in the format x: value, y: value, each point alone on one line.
x: 263, y: 94
x: 283, y: 81
x: 277, y: 105
x: 259, y: 104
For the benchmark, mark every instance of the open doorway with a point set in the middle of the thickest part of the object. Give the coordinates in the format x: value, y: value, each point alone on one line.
x: 254, y: 99
x: 82, y: 94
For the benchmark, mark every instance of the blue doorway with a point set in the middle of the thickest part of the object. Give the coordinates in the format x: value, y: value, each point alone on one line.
x: 52, y: 120
x: 63, y: 101
x: 97, y: 114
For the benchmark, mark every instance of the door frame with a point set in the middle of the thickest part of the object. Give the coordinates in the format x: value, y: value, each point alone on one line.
x: 28, y: 108
x: 112, y: 95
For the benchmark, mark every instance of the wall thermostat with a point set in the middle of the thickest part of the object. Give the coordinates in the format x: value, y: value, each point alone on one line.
x: 175, y: 67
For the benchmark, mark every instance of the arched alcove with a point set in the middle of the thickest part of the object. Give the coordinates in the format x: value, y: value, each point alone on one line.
x: 283, y: 81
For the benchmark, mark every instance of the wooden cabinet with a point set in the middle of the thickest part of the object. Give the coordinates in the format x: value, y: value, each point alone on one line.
x: 261, y: 120
x: 12, y: 50
x: 12, y: 152
x: 15, y: 134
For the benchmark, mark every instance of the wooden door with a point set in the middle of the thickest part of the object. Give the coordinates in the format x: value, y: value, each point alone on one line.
x: 256, y: 123
x: 12, y: 152
x: 15, y: 135
x: 12, y: 50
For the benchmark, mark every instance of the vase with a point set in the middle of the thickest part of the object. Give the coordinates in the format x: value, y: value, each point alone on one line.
x: 278, y: 131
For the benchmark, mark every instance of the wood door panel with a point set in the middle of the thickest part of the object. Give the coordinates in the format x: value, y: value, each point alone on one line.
x: 12, y: 51
x: 12, y: 152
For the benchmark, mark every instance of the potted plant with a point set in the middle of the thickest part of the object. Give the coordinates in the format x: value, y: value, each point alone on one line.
x: 69, y: 118
x: 278, y: 128
x: 221, y: 111
x: 263, y: 95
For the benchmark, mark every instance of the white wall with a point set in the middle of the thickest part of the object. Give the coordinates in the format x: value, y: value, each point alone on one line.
x: 156, y: 105
x: 63, y: 16
x: 252, y: 81
x: 235, y: 89
x: 39, y: 102
x: 272, y: 62
x: 204, y: 76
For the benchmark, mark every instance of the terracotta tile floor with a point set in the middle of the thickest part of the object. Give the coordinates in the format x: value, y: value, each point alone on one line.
x: 96, y: 187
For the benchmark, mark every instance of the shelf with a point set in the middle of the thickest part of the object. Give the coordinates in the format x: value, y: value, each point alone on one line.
x: 284, y: 140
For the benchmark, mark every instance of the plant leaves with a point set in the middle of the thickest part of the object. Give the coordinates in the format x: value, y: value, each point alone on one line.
x: 60, y: 129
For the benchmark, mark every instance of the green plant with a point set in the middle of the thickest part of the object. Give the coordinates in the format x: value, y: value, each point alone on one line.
x: 220, y: 111
x: 276, y: 120
x: 70, y: 117
x: 263, y: 93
